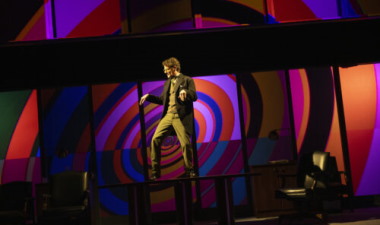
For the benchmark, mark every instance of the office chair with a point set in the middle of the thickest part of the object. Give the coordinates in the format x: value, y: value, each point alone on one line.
x: 68, y: 200
x: 316, y: 184
x: 338, y: 184
x: 16, y: 203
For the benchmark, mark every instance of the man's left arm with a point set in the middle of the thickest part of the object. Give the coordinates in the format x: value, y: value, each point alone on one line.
x: 188, y: 93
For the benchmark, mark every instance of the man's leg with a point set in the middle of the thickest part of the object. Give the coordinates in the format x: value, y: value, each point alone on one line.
x: 187, y: 149
x: 159, y: 135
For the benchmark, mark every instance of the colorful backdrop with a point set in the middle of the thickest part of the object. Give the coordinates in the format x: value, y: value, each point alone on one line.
x: 19, y: 137
x: 48, y: 19
x: 119, y: 157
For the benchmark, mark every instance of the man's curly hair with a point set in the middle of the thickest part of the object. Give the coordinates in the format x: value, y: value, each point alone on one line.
x: 172, y: 62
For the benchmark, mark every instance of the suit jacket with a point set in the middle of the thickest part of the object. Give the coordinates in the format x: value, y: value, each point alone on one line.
x: 184, y: 108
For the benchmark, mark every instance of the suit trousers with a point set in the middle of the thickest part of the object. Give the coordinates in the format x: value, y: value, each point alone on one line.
x: 168, y: 122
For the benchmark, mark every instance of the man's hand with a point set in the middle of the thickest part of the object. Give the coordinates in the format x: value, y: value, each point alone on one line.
x: 182, y: 95
x: 143, y: 98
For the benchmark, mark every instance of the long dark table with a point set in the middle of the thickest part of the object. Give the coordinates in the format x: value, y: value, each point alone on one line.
x: 139, y: 211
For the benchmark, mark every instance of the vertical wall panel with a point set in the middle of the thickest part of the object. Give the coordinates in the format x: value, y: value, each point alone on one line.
x: 360, y: 98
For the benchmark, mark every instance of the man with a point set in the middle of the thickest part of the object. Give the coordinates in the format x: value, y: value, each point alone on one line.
x: 177, y: 97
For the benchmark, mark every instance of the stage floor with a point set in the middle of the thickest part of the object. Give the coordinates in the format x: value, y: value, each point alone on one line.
x: 361, y: 216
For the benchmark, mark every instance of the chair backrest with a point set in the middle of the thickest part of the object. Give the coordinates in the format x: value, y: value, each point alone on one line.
x: 312, y: 169
x: 68, y: 188
x: 334, y: 175
x: 14, y: 195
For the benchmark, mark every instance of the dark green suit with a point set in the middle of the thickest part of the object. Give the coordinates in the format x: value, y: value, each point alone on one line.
x: 182, y: 122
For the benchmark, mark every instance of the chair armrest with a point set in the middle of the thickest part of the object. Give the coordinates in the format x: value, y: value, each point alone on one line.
x: 86, y: 197
x: 344, y: 174
x: 317, y: 176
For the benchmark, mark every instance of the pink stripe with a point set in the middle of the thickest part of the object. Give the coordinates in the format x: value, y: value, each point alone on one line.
x: 297, y: 98
x: 14, y: 170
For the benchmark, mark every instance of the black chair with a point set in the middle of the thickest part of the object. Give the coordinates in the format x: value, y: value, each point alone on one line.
x: 16, y: 203
x: 317, y: 183
x: 68, y: 200
x: 338, y: 185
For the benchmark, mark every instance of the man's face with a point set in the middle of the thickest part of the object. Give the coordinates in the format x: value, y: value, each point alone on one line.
x: 169, y: 71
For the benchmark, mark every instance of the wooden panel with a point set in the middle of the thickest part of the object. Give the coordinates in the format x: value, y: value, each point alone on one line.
x: 265, y: 185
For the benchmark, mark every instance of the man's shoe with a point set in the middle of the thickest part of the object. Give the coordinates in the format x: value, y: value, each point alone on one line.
x: 154, y: 177
x: 191, y: 174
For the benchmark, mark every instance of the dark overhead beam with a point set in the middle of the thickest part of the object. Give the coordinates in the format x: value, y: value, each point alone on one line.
x: 66, y: 62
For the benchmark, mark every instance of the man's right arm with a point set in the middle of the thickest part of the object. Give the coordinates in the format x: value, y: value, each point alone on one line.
x: 151, y: 98
x: 143, y: 98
